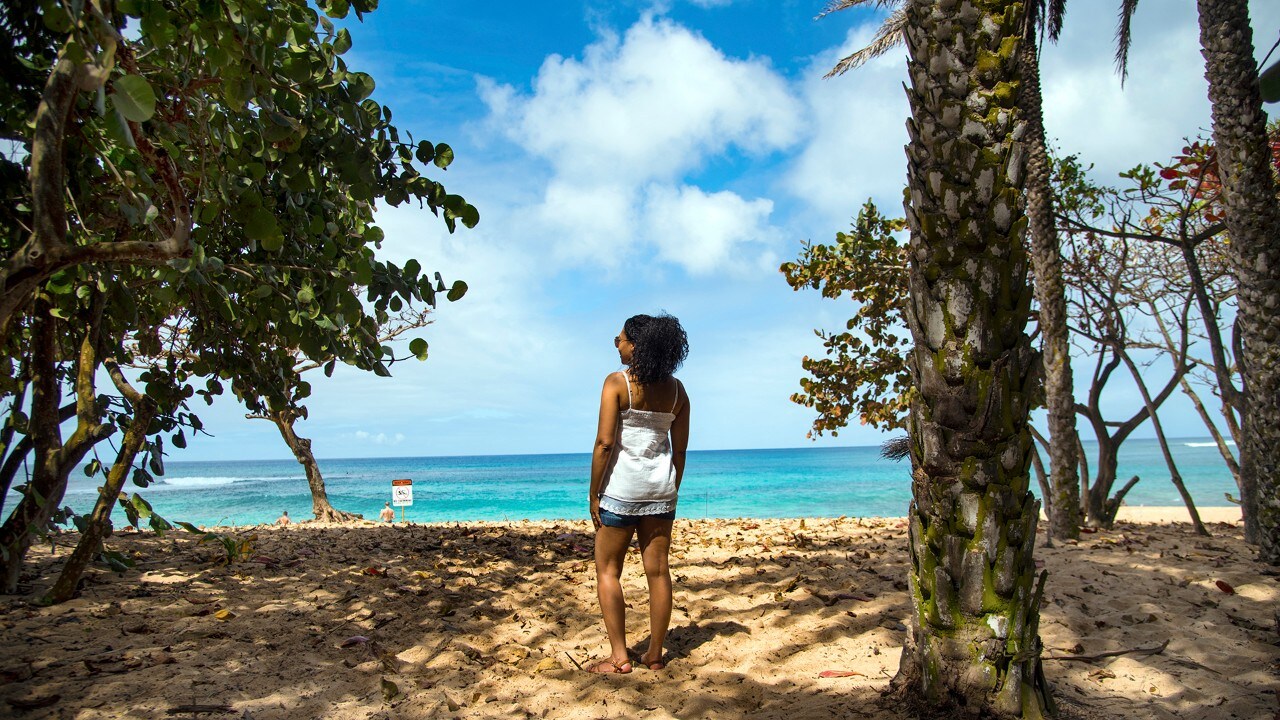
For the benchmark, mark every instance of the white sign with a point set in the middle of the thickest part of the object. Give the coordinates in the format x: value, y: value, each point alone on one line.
x: 401, y: 492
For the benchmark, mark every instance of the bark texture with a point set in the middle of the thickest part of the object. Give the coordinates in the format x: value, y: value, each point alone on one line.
x: 99, y: 525
x: 975, y: 642
x: 1050, y: 293
x: 53, y: 459
x: 1253, y: 222
x: 301, y: 448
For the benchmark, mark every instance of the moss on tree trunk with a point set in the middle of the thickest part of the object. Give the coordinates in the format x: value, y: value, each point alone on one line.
x: 1253, y: 222
x: 973, y: 580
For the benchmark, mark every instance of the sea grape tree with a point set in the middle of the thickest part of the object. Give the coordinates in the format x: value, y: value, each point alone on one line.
x: 212, y: 167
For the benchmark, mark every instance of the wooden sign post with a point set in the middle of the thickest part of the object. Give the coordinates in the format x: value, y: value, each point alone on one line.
x: 402, y: 494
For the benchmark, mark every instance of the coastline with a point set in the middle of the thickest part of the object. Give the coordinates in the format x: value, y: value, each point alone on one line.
x: 1157, y: 514
x: 488, y: 620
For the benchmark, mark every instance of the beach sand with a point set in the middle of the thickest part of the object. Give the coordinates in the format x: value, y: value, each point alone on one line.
x: 488, y: 620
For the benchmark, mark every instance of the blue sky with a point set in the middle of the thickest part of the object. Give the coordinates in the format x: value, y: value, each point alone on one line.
x: 633, y: 157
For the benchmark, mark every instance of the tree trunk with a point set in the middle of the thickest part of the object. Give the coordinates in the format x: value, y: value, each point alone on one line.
x: 1174, y: 475
x: 1102, y: 506
x: 54, y: 459
x: 1253, y: 222
x: 1046, y: 264
x: 975, y: 642
x: 91, y: 540
x: 301, y: 448
x: 42, y: 493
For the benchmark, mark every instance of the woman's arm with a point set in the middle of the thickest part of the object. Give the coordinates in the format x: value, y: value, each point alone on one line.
x: 606, y: 436
x: 680, y: 437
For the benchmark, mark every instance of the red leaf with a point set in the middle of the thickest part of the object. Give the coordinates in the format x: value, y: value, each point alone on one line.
x: 1224, y: 587
x: 375, y: 571
x: 838, y: 673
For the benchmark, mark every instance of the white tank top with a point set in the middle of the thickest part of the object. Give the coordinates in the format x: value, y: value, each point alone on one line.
x: 642, y: 478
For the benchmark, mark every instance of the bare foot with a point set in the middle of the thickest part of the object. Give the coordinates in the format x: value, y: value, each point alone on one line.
x: 609, y: 667
x: 657, y: 663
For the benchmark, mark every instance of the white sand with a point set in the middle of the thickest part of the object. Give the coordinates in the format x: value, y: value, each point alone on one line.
x: 487, y: 620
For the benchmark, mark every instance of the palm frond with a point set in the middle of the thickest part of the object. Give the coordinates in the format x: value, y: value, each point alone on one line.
x: 887, y: 37
x: 1057, y: 11
x: 838, y: 5
x: 896, y: 448
x: 1124, y: 37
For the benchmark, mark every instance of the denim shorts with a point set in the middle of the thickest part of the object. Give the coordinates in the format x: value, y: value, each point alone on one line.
x: 614, y: 520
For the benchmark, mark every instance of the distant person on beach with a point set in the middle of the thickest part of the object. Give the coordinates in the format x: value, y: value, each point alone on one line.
x: 283, y: 519
x: 387, y: 514
x: 636, y: 469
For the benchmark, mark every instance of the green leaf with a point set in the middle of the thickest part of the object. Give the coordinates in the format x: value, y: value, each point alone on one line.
x: 142, y: 506
x: 179, y: 440
x: 336, y: 8
x: 360, y: 85
x: 130, y: 511
x: 444, y: 156
x: 262, y: 227
x: 160, y: 525
x: 470, y: 216
x: 457, y: 291
x: 418, y: 347
x: 364, y: 272
x: 135, y: 99
x: 156, y: 459
x: 141, y: 477
x: 426, y: 151
x: 92, y: 468
x: 412, y: 268
x: 118, y: 128
x: 342, y: 43
x: 190, y: 528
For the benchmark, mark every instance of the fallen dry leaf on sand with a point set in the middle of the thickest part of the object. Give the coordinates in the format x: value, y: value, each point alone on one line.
x: 839, y: 673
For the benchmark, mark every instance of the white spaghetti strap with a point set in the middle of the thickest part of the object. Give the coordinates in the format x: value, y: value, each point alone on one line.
x: 626, y: 379
x: 676, y: 404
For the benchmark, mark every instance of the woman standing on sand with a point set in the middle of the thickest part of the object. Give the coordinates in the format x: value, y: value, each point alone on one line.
x: 636, y: 470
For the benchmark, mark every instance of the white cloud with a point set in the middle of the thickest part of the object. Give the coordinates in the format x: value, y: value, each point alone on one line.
x: 380, y: 438
x: 859, y: 130
x: 650, y: 105
x: 588, y: 221
x: 705, y: 231
x: 621, y: 127
x: 1164, y: 99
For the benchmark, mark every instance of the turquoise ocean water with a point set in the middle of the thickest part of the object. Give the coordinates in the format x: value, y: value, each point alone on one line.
x: 803, y: 482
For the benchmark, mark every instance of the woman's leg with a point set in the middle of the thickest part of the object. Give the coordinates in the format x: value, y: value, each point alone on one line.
x: 655, y: 544
x: 611, y: 551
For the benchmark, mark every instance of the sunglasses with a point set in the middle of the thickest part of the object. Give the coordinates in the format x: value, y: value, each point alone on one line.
x: 617, y: 340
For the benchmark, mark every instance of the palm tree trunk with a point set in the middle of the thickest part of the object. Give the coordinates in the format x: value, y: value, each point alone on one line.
x: 1046, y: 264
x: 301, y: 448
x: 975, y: 640
x: 1253, y: 222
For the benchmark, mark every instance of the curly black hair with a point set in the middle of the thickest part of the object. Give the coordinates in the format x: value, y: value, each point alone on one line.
x: 660, y: 346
